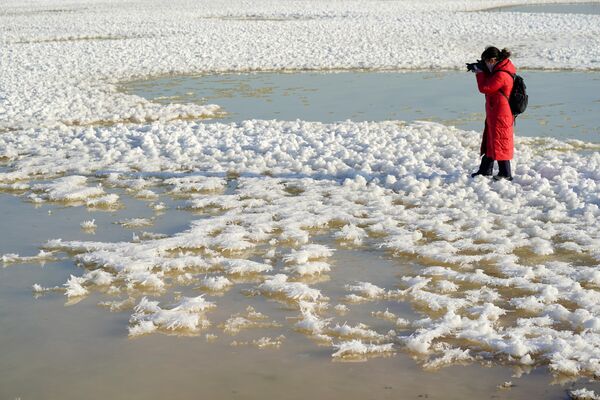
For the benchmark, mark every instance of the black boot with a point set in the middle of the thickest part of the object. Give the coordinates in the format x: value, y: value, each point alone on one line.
x: 486, y: 167
x: 504, y: 171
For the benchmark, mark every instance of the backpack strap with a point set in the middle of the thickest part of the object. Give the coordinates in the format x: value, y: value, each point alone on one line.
x: 502, y: 70
x: 512, y: 76
x: 505, y: 96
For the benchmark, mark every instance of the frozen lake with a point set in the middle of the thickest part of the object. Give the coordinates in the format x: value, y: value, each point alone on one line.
x: 321, y: 238
x: 564, y: 8
x: 562, y: 105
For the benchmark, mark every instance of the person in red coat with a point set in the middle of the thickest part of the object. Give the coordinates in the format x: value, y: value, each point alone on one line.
x: 495, y: 79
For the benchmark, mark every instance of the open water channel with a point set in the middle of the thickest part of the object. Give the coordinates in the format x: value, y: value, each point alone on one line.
x: 563, y: 105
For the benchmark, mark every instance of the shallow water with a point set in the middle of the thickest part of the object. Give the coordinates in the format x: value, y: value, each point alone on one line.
x: 82, y: 350
x: 566, y: 8
x: 562, y: 105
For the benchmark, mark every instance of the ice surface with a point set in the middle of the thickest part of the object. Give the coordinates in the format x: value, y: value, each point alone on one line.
x: 361, y: 331
x: 216, y: 283
x: 451, y: 356
x: 583, y: 394
x: 187, y: 316
x: 12, y: 258
x: 477, y: 239
x: 475, y: 313
x: 356, y: 348
x: 69, y: 189
x: 278, y: 285
x: 244, y: 267
x: 385, y: 315
x: 89, y: 225
x: 308, y: 252
x: 309, y: 268
x: 367, y: 289
x: 196, y: 184
x: 401, y: 35
x: 250, y: 319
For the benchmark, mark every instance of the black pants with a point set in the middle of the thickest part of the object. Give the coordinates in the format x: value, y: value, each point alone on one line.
x: 487, y: 166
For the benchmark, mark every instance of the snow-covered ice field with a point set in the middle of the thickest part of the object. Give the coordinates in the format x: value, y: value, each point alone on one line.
x: 284, y: 244
x: 566, y: 8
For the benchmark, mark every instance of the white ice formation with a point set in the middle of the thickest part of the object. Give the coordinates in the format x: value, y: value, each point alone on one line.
x: 68, y: 189
x: 510, y: 268
x: 278, y: 286
x: 135, y: 222
x: 583, y: 394
x: 356, y: 348
x: 41, y: 257
x: 88, y: 225
x: 553, y: 292
x: 187, y: 316
x: 385, y: 315
x: 268, y: 342
x: 250, y: 319
x: 216, y: 283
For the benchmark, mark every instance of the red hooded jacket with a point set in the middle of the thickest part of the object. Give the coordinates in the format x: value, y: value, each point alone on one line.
x: 497, y: 141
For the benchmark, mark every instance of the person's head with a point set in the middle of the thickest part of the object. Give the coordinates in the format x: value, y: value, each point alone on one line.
x: 492, y: 55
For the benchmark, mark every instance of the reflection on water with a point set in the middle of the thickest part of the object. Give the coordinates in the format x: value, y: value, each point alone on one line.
x: 563, y: 105
x: 565, y: 8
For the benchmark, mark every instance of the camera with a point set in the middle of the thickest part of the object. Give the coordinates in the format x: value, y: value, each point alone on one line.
x: 476, y: 65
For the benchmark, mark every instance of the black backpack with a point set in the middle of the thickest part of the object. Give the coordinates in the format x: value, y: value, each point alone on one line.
x: 518, y: 98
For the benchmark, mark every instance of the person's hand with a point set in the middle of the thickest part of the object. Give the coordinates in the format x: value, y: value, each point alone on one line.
x: 472, y: 67
x: 475, y: 67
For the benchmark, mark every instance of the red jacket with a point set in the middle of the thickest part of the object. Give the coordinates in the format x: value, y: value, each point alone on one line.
x: 497, y: 142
